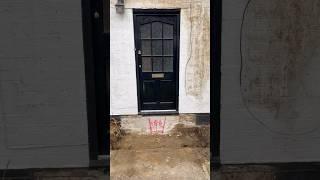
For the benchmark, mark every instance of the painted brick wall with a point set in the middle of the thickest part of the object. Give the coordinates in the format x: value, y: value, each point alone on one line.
x: 194, y: 74
x: 42, y: 85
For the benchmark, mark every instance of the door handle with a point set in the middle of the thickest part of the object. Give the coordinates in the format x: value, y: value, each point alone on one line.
x: 139, y: 52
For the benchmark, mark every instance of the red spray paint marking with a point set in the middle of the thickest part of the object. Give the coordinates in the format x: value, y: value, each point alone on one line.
x: 157, y: 125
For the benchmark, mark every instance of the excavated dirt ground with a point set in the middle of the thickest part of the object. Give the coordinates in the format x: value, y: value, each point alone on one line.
x: 184, y: 154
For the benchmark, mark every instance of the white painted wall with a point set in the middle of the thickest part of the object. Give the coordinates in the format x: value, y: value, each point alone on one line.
x: 194, y: 80
x: 43, y: 121
x: 273, y: 116
x: 123, y: 90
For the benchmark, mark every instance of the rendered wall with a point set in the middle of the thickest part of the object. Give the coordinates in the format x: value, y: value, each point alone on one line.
x: 270, y: 96
x: 42, y: 85
x: 194, y: 70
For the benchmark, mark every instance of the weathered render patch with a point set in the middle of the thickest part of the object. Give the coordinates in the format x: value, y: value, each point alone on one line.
x: 281, y: 51
x: 198, y: 64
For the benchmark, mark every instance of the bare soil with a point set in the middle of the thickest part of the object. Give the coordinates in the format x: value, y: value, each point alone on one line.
x: 184, y: 154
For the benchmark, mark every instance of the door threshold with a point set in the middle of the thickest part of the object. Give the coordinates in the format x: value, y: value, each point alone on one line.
x: 159, y: 112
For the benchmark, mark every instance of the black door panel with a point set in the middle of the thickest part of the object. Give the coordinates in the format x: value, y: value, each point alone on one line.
x: 156, y: 40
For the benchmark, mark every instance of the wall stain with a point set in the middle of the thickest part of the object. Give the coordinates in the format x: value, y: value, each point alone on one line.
x: 281, y: 45
x: 198, y: 67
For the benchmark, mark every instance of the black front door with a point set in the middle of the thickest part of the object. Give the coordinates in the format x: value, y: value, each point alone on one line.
x: 156, y: 43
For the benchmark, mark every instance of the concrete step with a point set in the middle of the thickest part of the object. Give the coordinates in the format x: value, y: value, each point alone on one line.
x: 161, y: 124
x: 180, y: 136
